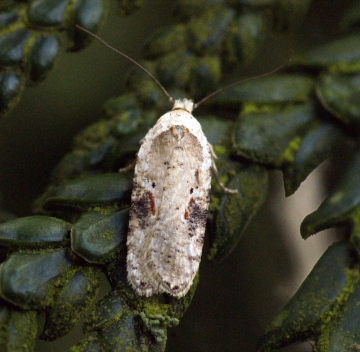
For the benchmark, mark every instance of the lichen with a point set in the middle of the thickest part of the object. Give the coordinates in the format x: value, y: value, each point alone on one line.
x: 289, y: 152
x: 105, y: 210
x: 333, y: 315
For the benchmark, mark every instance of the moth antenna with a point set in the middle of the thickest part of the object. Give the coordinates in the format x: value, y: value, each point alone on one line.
x: 245, y: 80
x: 127, y: 57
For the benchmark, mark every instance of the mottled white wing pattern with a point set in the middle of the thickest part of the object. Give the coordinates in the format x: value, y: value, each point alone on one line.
x: 169, y: 204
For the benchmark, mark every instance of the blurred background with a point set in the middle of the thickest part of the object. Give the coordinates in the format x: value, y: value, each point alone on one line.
x: 235, y: 300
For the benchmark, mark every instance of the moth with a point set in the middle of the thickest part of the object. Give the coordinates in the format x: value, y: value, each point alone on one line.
x: 169, y: 204
x: 170, y: 199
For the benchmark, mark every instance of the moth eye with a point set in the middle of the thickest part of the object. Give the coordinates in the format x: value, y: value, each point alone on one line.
x: 191, y: 190
x: 153, y: 185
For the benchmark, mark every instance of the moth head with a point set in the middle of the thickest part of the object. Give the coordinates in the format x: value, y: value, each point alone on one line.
x: 184, y: 104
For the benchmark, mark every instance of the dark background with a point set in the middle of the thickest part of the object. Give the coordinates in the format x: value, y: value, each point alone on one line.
x: 234, y: 301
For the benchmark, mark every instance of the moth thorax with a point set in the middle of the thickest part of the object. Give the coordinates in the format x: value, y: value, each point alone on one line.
x: 184, y: 104
x: 179, y: 131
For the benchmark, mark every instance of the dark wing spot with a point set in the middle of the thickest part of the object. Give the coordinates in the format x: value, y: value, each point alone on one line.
x: 143, y: 207
x: 197, y: 216
x: 152, y: 203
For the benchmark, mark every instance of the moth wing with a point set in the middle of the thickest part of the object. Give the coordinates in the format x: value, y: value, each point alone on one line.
x: 169, y: 206
x: 144, y: 204
x: 178, y: 233
x: 138, y: 238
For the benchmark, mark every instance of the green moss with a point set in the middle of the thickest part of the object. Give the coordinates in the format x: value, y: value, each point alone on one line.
x: 336, y: 197
x: 214, y: 201
x: 92, y: 136
x: 289, y: 152
x: 22, y: 331
x: 157, y: 318
x: 15, y: 25
x: 105, y: 210
x: 231, y: 212
x: 355, y: 218
x: 322, y: 343
x: 347, y: 67
x: 335, y: 313
x: 251, y: 108
x: 152, y: 307
x: 107, y: 235
x: 220, y: 150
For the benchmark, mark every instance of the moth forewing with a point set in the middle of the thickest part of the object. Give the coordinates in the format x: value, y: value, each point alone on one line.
x: 169, y: 204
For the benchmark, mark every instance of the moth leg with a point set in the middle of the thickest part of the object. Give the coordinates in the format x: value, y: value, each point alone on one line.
x: 216, y: 174
x: 217, y: 177
x: 128, y: 167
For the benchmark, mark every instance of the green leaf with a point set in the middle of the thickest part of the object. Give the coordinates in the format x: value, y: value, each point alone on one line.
x: 98, y: 237
x: 341, y: 206
x: 205, y: 76
x: 70, y: 303
x: 47, y: 12
x: 34, y: 232
x: 27, y: 279
x: 44, y: 53
x: 344, y: 334
x: 340, y: 96
x: 237, y: 210
x: 206, y: 32
x: 120, y: 335
x: 12, y: 46
x: 166, y: 40
x: 216, y: 130
x: 271, y: 135
x: 87, y: 14
x: 91, y: 344
x: 294, y: 88
x: 321, y: 141
x: 341, y: 55
x: 8, y: 16
x: 105, y: 312
x: 89, y: 191
x: 18, y: 329
x: 30, y: 39
x: 299, y: 319
x: 244, y: 38
x: 11, y: 86
x: 174, y: 69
